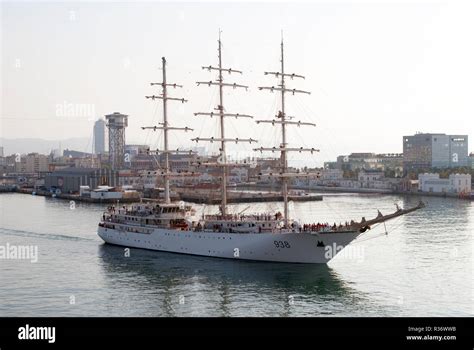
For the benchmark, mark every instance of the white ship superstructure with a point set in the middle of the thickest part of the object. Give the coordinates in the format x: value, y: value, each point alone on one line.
x: 174, y: 227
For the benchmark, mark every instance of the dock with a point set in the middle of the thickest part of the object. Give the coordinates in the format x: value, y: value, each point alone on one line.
x: 192, y: 196
x: 207, y: 197
x: 73, y: 197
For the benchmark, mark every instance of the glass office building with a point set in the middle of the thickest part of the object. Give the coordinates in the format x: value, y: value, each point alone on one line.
x: 424, y: 151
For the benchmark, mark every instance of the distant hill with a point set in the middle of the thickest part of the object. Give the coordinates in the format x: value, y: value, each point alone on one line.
x: 11, y: 146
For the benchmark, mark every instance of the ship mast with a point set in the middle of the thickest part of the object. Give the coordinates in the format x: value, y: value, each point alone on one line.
x: 166, y: 127
x: 222, y: 160
x: 221, y: 120
x: 284, y: 160
x: 285, y: 120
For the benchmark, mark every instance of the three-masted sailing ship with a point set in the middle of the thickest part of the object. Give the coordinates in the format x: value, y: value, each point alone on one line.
x: 273, y: 237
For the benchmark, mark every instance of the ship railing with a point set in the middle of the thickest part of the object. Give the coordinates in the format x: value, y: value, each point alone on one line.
x: 132, y: 212
x: 327, y: 228
x: 241, y: 218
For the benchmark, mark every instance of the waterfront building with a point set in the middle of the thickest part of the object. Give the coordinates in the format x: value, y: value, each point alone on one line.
x: 130, y: 178
x: 331, y: 174
x: 461, y: 183
x: 372, y: 178
x: 323, y: 177
x: 456, y: 183
x: 61, y: 163
x: 19, y: 179
x: 134, y: 150
x: 262, y: 165
x: 181, y: 162
x: 367, y: 179
x: 32, y: 163
x: 3, y: 161
x: 408, y: 185
x: 368, y: 175
x: 140, y: 153
x: 424, y: 151
x: 184, y: 162
x: 70, y: 180
x: 391, y: 161
x: 87, y: 162
x: 149, y: 179
x: 143, y: 162
x: 358, y: 161
x: 238, y: 175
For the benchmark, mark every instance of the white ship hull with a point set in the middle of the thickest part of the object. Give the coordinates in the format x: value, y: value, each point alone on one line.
x: 300, y: 247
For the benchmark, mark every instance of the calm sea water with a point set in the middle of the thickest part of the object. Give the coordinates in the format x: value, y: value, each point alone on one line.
x: 422, y: 267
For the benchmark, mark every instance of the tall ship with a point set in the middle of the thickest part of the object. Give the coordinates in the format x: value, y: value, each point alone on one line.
x: 267, y: 236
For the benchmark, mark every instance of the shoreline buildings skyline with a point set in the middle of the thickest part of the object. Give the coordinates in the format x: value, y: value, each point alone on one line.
x: 133, y: 165
x: 419, y: 150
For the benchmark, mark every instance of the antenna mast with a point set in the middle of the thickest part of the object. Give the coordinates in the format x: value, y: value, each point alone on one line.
x: 222, y: 115
x: 165, y: 126
x: 283, y: 120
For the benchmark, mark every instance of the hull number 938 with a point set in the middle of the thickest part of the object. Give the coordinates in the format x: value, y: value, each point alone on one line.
x: 282, y: 244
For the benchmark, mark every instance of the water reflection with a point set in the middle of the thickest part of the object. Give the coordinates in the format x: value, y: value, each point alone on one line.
x: 226, y: 283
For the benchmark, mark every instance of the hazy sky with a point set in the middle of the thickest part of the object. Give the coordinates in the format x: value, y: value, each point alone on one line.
x: 377, y: 71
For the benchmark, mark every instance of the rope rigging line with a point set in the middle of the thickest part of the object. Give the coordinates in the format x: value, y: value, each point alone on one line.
x: 329, y: 144
x: 381, y: 234
x: 334, y: 211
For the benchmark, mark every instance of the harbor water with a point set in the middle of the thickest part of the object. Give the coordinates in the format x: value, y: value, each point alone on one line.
x: 420, y: 264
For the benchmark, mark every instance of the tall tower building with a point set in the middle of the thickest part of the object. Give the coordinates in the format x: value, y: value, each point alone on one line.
x: 99, y: 136
x: 116, y: 123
